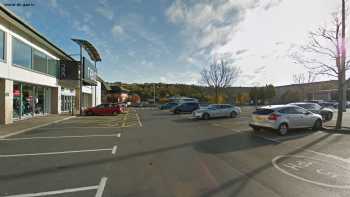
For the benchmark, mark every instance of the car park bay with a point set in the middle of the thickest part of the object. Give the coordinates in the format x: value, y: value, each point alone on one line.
x: 172, y: 155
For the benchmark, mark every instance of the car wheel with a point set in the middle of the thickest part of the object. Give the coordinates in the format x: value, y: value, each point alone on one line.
x: 283, y: 129
x: 233, y: 114
x: 317, y: 125
x: 256, y: 128
x: 205, y: 116
x: 114, y: 113
x: 176, y: 111
x: 329, y: 116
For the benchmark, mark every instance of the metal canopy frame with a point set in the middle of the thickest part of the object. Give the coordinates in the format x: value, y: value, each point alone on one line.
x: 89, y: 48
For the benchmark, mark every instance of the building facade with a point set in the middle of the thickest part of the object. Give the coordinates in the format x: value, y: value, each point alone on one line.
x: 30, y: 82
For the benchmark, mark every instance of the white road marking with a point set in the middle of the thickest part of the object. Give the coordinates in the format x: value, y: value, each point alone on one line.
x: 55, y: 153
x: 119, y: 135
x: 138, y: 119
x: 60, y: 137
x: 274, y: 162
x: 101, y: 187
x: 114, y: 150
x: 36, y: 127
x: 63, y: 191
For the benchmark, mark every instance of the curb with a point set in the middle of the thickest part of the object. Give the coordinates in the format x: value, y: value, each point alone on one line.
x: 35, y: 127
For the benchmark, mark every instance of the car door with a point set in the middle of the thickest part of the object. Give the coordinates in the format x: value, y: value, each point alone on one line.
x: 306, y: 119
x: 213, y: 110
x: 299, y: 117
x: 227, y: 109
x: 221, y: 111
x: 292, y: 116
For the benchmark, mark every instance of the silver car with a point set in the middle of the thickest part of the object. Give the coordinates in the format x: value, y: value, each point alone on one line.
x: 284, y: 117
x: 217, y: 110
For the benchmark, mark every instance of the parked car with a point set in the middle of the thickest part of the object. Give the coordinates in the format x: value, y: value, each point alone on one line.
x: 167, y: 106
x: 217, y: 110
x: 187, y: 107
x: 325, y: 112
x: 282, y: 118
x: 104, y: 109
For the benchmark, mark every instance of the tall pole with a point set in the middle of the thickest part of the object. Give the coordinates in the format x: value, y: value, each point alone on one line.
x: 154, y: 93
x: 81, y: 82
x: 341, y: 75
x: 95, y: 86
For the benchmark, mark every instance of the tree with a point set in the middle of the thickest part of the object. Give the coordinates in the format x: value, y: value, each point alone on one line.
x: 325, y: 54
x: 270, y: 92
x: 219, y: 75
x: 253, y: 94
x: 304, y: 81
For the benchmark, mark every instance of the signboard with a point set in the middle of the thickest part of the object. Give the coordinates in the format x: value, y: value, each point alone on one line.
x: 69, y: 70
x: 90, y: 72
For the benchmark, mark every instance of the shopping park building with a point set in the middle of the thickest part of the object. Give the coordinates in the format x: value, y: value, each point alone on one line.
x: 33, y: 79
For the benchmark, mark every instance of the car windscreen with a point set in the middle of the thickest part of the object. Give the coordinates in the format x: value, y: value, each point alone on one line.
x: 263, y: 111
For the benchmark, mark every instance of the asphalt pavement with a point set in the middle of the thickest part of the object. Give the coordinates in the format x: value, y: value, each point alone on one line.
x: 154, y: 153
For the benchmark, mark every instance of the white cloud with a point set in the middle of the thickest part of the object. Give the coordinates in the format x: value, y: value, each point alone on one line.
x: 266, y: 29
x: 117, y: 30
x: 105, y: 12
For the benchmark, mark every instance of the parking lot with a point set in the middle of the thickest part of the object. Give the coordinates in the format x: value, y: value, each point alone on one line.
x: 60, y: 159
x: 148, y: 152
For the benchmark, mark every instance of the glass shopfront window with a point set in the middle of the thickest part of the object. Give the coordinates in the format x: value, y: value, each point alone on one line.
x: 30, y: 100
x: 39, y: 61
x: 21, y: 53
x: 2, y: 45
x: 27, y: 101
x: 17, y: 100
x: 26, y: 56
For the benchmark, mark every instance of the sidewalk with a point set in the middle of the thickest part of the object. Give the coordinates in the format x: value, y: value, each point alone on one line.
x: 346, y: 121
x: 22, y: 126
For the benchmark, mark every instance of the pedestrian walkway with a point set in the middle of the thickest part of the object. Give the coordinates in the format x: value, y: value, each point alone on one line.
x: 345, y: 124
x: 22, y: 126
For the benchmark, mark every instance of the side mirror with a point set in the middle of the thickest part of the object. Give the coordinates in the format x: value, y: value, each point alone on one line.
x: 307, y: 113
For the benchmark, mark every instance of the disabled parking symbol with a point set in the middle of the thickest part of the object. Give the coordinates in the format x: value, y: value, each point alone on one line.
x: 322, y: 172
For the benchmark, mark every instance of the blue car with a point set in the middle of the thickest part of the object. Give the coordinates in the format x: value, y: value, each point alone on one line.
x: 167, y: 106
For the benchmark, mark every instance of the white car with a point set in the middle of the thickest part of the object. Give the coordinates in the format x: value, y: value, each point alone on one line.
x: 284, y: 117
x: 217, y: 110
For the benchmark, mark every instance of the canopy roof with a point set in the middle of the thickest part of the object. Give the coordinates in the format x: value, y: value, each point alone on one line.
x: 89, y: 48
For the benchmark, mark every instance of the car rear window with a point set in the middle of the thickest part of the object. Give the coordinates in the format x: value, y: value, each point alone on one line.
x: 263, y: 111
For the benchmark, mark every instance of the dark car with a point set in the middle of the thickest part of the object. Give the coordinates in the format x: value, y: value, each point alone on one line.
x: 187, y: 107
x: 326, y: 113
x: 104, y: 109
x: 167, y: 106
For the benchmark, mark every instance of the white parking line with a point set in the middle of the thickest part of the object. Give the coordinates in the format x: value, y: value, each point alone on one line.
x: 61, y: 137
x: 100, y: 187
x: 36, y: 127
x: 138, y: 119
x: 119, y: 135
x: 114, y: 150
x: 55, y: 153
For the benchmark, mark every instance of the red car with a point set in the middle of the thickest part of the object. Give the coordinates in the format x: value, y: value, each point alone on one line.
x: 104, y: 109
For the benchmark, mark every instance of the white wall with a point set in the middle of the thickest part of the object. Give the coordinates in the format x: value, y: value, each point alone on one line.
x: 97, y: 93
x: 11, y: 72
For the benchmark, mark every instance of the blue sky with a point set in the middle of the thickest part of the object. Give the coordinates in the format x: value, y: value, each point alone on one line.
x: 172, y: 40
